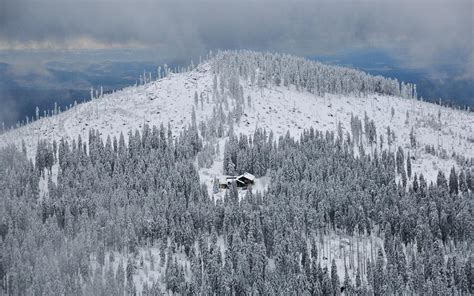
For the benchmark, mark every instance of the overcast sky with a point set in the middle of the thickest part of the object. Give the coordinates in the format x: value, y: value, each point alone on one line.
x: 421, y: 34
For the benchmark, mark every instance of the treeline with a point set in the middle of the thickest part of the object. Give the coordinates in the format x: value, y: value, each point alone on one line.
x: 267, y: 69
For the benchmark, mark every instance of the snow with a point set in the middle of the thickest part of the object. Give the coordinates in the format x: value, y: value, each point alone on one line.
x: 249, y: 176
x: 149, y: 272
x: 43, y: 181
x: 208, y: 175
x: 347, y: 251
x: 168, y: 100
x: 279, y: 109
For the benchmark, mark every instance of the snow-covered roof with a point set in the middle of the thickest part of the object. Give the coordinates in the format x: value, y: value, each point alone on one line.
x: 230, y: 179
x: 248, y: 176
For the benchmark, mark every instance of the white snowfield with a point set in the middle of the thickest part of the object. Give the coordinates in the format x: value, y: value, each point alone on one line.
x: 280, y: 109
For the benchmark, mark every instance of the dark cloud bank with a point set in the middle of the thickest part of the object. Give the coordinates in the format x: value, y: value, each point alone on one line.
x: 421, y: 33
x: 435, y: 36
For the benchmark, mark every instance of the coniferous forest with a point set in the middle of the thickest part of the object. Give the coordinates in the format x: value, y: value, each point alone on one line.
x: 116, y: 197
x: 121, y: 206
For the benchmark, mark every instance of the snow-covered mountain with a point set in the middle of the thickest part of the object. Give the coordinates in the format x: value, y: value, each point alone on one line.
x: 281, y: 109
x: 138, y: 216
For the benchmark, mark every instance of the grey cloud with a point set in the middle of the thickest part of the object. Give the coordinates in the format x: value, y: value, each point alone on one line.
x: 420, y: 33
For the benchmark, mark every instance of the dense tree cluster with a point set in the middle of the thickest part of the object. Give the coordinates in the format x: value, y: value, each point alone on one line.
x: 121, y: 196
x: 44, y: 156
x: 248, y: 154
x: 266, y: 69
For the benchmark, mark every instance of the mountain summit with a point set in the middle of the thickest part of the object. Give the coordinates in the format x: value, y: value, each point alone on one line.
x: 279, y: 93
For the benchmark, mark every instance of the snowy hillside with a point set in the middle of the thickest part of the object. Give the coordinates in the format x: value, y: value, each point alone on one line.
x: 123, y: 193
x: 277, y: 108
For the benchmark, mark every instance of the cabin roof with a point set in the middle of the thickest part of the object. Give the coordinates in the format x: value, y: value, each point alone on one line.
x: 229, y: 179
x: 248, y: 176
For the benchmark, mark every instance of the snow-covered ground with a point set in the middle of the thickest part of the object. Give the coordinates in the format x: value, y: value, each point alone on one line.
x: 170, y: 99
x: 280, y: 109
x: 351, y: 252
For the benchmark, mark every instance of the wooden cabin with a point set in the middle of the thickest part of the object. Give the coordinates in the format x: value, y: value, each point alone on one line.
x: 242, y: 181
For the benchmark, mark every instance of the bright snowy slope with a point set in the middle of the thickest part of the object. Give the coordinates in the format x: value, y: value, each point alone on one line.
x: 280, y: 109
